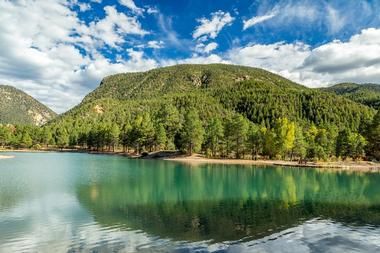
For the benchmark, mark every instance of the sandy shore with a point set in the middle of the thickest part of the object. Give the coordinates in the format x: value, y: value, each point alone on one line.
x: 6, y: 156
x: 346, y: 165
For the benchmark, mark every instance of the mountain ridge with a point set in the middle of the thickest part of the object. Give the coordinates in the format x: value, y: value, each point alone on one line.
x: 257, y: 94
x: 367, y: 93
x: 18, y: 107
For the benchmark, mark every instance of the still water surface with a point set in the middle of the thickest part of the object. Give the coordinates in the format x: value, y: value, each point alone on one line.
x: 62, y: 202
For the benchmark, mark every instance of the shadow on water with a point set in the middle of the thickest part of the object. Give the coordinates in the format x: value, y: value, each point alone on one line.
x: 227, y: 203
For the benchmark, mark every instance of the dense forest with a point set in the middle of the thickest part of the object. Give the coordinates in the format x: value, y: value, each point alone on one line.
x: 219, y: 110
x: 367, y: 94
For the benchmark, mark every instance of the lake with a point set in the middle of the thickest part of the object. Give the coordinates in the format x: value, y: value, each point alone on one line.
x: 66, y: 202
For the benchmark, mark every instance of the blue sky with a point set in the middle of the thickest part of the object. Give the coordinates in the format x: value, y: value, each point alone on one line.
x: 59, y: 50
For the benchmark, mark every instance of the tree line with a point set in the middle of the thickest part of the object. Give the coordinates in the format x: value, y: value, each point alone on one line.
x: 231, y: 137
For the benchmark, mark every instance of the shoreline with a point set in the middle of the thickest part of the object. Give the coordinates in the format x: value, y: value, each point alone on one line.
x: 344, y: 165
x: 197, y: 159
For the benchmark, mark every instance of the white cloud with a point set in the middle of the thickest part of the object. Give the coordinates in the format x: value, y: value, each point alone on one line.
x: 206, y: 48
x: 210, y: 28
x: 84, y: 7
x: 212, y: 58
x: 42, y: 56
x: 276, y: 57
x: 112, y: 29
x: 43, y: 44
x: 152, y: 10
x: 257, y: 20
x: 155, y: 44
x: 131, y: 5
x: 357, y: 60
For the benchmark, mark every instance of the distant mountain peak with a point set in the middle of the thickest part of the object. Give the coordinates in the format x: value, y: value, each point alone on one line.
x: 17, y: 107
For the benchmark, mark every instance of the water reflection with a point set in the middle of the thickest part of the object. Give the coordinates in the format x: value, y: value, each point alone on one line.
x: 86, y: 203
x: 225, y: 203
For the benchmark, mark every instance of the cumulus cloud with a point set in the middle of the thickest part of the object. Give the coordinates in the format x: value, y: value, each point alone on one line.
x: 210, y: 28
x: 277, y: 56
x: 44, y: 41
x: 357, y: 59
x: 257, y: 20
x: 112, y: 29
x: 58, y: 58
x: 206, y: 48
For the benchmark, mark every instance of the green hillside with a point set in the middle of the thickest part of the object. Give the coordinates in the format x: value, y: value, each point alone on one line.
x: 367, y: 94
x: 212, y: 89
x: 17, y: 107
x: 183, y: 78
x: 220, y: 110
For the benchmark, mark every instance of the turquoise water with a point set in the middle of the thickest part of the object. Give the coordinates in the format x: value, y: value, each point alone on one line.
x: 63, y: 202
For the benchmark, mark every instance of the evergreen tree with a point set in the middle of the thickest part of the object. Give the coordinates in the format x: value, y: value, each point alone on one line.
x: 238, y: 130
x: 373, y: 134
x: 47, y: 137
x: 357, y: 146
x: 300, y: 145
x: 26, y: 141
x: 343, y: 144
x: 170, y: 118
x: 255, y: 140
x: 214, y: 135
x: 114, y: 134
x: 192, y: 132
x: 62, y: 137
x: 5, y: 135
x: 160, y: 137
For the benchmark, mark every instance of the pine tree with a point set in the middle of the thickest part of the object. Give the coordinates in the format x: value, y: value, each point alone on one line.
x: 160, y: 137
x: 192, y: 133
x: 238, y: 134
x: 214, y: 135
x: 374, y: 137
x: 47, y: 136
x: 62, y: 137
x: 114, y: 136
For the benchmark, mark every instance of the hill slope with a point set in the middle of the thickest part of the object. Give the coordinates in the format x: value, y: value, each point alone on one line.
x: 215, y: 89
x: 367, y: 94
x: 182, y: 79
x: 17, y: 107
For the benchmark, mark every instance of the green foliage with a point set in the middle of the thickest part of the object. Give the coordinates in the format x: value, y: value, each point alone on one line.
x: 160, y: 137
x: 214, y: 136
x: 192, y: 134
x: 16, y: 107
x: 221, y: 110
x: 373, y: 136
x: 236, y: 133
x: 62, y: 137
x: 367, y: 94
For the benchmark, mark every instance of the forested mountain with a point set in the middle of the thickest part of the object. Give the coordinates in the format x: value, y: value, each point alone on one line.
x: 221, y: 110
x: 17, y: 107
x: 367, y: 94
x: 217, y: 89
